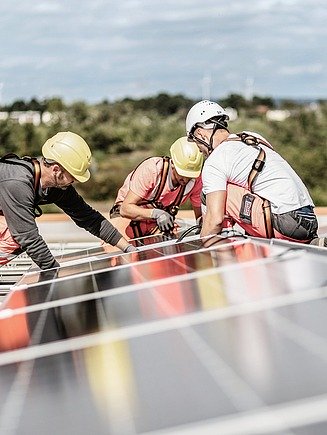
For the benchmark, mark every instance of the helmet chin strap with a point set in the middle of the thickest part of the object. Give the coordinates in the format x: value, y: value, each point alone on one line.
x: 209, y: 146
x: 203, y: 142
x: 217, y: 125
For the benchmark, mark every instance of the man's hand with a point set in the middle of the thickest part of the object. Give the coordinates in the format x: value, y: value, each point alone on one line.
x: 165, y: 221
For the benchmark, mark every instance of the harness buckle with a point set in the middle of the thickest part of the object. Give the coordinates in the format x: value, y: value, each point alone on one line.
x: 173, y: 210
x: 258, y: 165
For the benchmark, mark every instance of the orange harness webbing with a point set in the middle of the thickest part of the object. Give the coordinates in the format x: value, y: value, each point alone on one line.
x: 257, y: 167
x: 172, y: 208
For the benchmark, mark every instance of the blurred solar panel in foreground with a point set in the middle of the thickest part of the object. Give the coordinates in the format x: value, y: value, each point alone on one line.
x: 175, y: 339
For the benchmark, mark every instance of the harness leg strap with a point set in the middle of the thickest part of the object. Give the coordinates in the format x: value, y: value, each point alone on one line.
x: 267, y: 218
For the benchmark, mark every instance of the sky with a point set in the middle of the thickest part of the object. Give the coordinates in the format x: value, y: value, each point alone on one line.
x: 95, y: 50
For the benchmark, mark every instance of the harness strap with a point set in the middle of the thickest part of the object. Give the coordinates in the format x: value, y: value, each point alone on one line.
x: 21, y: 161
x: 172, y: 208
x: 259, y: 162
x: 36, y: 172
x: 267, y: 219
x: 164, y: 175
x: 257, y: 167
x: 136, y: 227
x: 252, y: 140
x: 137, y: 230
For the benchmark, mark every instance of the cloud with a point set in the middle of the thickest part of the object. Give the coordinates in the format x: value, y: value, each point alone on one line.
x: 100, y: 48
x: 301, y: 69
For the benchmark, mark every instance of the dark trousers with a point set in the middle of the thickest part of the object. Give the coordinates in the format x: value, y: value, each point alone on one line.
x: 300, y: 224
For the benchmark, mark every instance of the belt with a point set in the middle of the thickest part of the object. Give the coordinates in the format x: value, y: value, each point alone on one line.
x: 305, y: 209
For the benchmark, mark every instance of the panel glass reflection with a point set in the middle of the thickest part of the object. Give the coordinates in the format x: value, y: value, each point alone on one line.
x: 107, y: 261
x: 103, y: 303
x: 159, y: 267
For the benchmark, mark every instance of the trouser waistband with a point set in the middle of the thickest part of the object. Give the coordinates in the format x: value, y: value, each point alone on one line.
x: 305, y: 209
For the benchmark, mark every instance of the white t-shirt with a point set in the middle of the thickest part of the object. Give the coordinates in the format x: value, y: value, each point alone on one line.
x: 231, y: 162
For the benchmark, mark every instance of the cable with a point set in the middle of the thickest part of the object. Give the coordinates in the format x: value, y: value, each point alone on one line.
x: 187, y: 231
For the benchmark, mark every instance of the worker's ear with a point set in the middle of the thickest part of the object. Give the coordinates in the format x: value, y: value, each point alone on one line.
x: 56, y: 168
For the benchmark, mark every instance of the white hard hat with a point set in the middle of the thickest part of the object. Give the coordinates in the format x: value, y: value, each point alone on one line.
x: 202, y: 112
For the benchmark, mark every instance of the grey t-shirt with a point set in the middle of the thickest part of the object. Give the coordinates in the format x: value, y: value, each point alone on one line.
x: 18, y: 201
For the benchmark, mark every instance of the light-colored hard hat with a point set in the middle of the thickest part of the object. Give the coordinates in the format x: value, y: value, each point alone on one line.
x: 203, y: 111
x: 186, y: 157
x: 71, y: 151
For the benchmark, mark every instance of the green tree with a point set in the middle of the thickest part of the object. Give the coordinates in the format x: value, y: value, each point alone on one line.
x: 124, y: 132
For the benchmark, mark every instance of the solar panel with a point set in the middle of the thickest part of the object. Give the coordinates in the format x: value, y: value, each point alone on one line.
x: 175, y: 339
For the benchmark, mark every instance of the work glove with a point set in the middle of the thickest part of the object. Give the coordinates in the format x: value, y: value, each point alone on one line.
x: 130, y: 248
x: 165, y: 221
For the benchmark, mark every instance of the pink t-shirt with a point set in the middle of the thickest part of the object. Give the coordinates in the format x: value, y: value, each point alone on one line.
x: 146, y: 178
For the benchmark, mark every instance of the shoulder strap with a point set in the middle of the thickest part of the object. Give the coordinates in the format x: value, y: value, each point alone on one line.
x: 8, y: 156
x: 252, y: 140
x: 173, y: 207
x: 16, y: 160
x: 163, y: 179
x: 257, y: 167
x: 163, y: 175
x: 259, y: 162
x: 37, y: 173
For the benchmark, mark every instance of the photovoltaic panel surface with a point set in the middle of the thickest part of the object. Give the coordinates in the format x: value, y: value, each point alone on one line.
x: 98, y: 259
x: 176, y: 339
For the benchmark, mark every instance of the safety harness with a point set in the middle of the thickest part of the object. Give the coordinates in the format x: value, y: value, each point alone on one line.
x: 171, y: 208
x: 13, y: 159
x: 257, y: 167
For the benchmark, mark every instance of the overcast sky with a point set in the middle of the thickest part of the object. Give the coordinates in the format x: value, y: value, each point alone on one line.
x: 109, y: 49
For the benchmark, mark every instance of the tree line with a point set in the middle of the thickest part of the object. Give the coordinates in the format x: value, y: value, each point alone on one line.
x: 124, y: 132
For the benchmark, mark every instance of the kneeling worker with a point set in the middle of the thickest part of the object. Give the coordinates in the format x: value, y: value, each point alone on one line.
x: 153, y: 191
x: 26, y: 183
x: 247, y: 181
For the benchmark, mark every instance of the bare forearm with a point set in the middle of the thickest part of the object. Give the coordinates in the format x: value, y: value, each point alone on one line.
x: 210, y: 226
x: 214, y: 217
x: 135, y: 212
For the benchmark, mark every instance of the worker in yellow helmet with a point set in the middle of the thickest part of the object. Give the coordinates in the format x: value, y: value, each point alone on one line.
x: 26, y: 183
x: 152, y: 192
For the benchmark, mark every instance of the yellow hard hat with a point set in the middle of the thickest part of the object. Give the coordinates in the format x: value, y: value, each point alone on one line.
x: 186, y: 157
x: 71, y: 151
